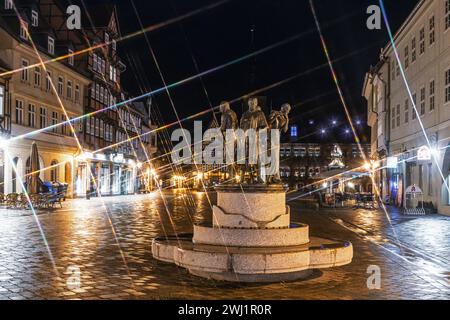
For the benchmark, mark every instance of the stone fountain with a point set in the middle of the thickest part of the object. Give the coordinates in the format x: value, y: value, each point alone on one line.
x: 251, y: 238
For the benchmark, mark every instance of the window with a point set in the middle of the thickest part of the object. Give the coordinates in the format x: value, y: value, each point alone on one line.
x: 422, y: 41
x: 398, y: 115
x: 71, y: 59
x: 60, y: 85
x: 447, y: 14
x: 432, y: 98
x: 77, y: 93
x: 37, y: 77
x: 51, y: 45
x: 413, y: 49
x: 42, y: 117
x: 34, y: 18
x: 414, y: 114
x: 422, y: 101
x: 393, y: 117
x: 69, y: 89
x: 432, y: 32
x: 293, y: 131
x: 19, y: 112
x: 24, y: 30
x: 8, y: 4
x: 114, y: 45
x: 54, y: 171
x: 447, y: 86
x: 407, y: 57
x: 2, y: 100
x: 24, y: 73
x: 406, y: 111
x: 54, y: 121
x: 48, y: 79
x: 31, y: 115
x: 106, y: 38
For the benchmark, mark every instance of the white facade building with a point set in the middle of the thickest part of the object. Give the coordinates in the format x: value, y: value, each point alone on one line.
x: 423, y: 45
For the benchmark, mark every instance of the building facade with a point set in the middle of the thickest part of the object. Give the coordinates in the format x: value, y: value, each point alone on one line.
x: 411, y: 142
x: 39, y: 96
x: 104, y: 152
x: 304, y: 165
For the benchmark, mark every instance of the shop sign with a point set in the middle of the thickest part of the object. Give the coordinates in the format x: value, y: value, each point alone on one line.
x: 424, y: 153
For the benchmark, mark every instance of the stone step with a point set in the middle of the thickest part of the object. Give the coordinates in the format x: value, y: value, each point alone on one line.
x: 228, y: 262
x: 298, y: 234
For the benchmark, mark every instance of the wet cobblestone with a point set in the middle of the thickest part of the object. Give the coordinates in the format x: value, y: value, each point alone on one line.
x: 108, y: 241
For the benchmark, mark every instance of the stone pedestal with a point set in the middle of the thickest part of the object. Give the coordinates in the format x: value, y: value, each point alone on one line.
x: 251, y: 240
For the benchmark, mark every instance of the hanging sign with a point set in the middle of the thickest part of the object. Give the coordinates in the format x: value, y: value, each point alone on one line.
x: 424, y: 153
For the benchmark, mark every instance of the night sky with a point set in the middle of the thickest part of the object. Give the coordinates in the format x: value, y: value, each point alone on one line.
x: 223, y: 34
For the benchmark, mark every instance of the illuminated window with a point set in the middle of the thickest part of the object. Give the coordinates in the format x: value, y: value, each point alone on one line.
x: 293, y: 131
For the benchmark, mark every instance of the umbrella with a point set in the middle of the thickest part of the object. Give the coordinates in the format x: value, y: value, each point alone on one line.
x: 33, y: 180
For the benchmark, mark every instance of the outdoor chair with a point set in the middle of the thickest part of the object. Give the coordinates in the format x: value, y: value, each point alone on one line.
x: 11, y: 200
x: 36, y: 200
x: 23, y: 201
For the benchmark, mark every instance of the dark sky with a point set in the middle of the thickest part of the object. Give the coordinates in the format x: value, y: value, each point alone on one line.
x: 223, y: 34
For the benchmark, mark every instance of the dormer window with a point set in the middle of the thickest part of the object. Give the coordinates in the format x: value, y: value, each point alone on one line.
x: 51, y: 45
x: 106, y: 38
x: 34, y: 18
x: 8, y: 4
x: 24, y: 30
x: 71, y: 57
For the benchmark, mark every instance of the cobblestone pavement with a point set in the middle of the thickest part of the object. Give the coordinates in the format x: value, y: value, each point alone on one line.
x: 108, y: 241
